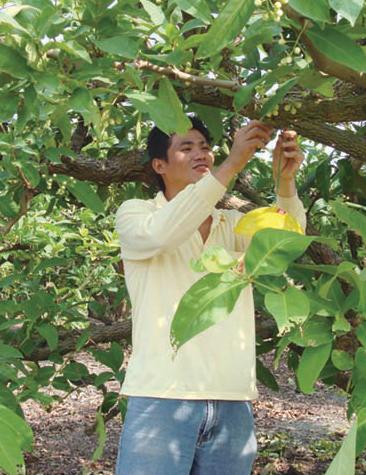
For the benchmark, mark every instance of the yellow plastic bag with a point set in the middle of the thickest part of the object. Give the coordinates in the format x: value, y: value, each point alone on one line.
x: 267, y: 217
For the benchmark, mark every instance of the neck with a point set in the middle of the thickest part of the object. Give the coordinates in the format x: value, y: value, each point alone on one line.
x: 170, y: 192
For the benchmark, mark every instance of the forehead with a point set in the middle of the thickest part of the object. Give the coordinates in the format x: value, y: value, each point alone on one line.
x: 192, y: 135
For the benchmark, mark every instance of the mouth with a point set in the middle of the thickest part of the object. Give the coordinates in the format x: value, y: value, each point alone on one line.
x: 202, y: 167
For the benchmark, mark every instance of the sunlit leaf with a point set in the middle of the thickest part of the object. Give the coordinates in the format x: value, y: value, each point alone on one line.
x: 226, y: 27
x: 338, y: 47
x: 311, y: 363
x: 210, y: 300
x: 349, y: 9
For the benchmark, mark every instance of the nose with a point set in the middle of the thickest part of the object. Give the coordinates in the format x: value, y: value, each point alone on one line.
x: 200, y: 154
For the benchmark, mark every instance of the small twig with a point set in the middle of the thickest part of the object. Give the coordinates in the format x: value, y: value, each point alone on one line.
x: 15, y: 247
x: 175, y: 73
x: 24, y: 204
x: 110, y: 415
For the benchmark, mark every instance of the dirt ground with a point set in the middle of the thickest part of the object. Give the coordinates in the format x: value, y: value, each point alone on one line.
x: 297, y: 434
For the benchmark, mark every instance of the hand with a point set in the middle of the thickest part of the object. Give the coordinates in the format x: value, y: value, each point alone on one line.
x: 287, y: 158
x: 247, y: 141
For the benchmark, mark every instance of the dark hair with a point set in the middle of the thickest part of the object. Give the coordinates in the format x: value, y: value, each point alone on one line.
x: 158, y: 143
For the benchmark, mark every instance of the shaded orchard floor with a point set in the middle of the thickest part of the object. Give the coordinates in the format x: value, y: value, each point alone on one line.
x: 297, y: 434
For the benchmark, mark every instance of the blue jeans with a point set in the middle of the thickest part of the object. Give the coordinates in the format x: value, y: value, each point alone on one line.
x: 186, y: 437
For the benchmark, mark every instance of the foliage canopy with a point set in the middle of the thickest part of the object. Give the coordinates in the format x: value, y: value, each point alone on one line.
x: 80, y: 84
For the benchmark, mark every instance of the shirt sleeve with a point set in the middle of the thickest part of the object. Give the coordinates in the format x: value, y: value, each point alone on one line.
x: 145, y: 231
x: 295, y: 207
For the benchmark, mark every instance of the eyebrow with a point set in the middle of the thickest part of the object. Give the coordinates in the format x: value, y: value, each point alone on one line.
x: 190, y: 142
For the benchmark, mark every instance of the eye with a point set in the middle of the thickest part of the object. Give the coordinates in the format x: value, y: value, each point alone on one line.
x: 186, y: 149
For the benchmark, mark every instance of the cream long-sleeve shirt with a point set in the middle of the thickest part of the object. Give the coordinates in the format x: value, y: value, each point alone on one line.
x: 158, y: 240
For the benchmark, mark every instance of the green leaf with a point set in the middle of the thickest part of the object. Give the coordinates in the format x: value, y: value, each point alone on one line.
x: 15, y: 436
x: 195, y: 8
x: 110, y: 399
x: 86, y: 194
x: 288, y: 307
x: 244, y: 95
x: 8, y: 399
x: 347, y: 271
x: 215, y: 259
x: 83, y: 339
x: 155, y: 12
x: 166, y: 110
x: 349, y: 9
x: 311, y: 363
x: 113, y: 358
x: 12, y: 63
x: 22, y: 433
x: 258, y: 33
x: 47, y: 84
x: 75, y: 49
x: 51, y: 262
x: 101, y: 435
x: 171, y: 110
x: 8, y: 352
x: 361, y: 333
x: 9, y: 21
x: 344, y: 461
x: 8, y: 207
x: 76, y: 371
x: 358, y: 399
x: 9, y: 105
x: 38, y: 304
x: 341, y: 324
x: 209, y: 301
x: 342, y: 360
x: 226, y: 27
x: 50, y: 334
x: 323, y: 173
x: 317, y: 10
x: 212, y: 117
x: 27, y: 109
x: 265, y: 376
x: 272, y: 250
x: 316, y: 331
x: 119, y: 46
x: 356, y: 220
x: 278, y: 96
x: 338, y: 47
x: 31, y: 173
x: 62, y: 121
x: 102, y: 378
x: 361, y: 432
x: 82, y: 101
x: 359, y: 374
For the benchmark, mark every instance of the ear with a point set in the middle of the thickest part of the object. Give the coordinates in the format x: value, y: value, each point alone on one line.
x: 159, y: 165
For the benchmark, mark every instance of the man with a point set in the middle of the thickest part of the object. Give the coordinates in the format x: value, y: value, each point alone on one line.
x: 191, y: 415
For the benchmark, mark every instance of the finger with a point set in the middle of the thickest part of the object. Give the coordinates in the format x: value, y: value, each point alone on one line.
x: 257, y: 133
x: 293, y: 156
x: 290, y: 146
x: 289, y: 134
x: 258, y: 124
x: 256, y: 143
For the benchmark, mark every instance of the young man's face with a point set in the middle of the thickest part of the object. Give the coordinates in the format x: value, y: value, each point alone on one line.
x: 189, y: 158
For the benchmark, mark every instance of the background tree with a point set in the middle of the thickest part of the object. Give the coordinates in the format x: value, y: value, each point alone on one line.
x: 80, y: 85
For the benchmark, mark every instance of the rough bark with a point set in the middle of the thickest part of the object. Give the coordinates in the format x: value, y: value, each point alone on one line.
x: 119, y: 331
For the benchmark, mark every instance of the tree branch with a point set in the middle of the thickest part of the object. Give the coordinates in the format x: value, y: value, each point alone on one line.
x: 265, y: 327
x: 174, y: 73
x: 322, y: 62
x: 123, y: 167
